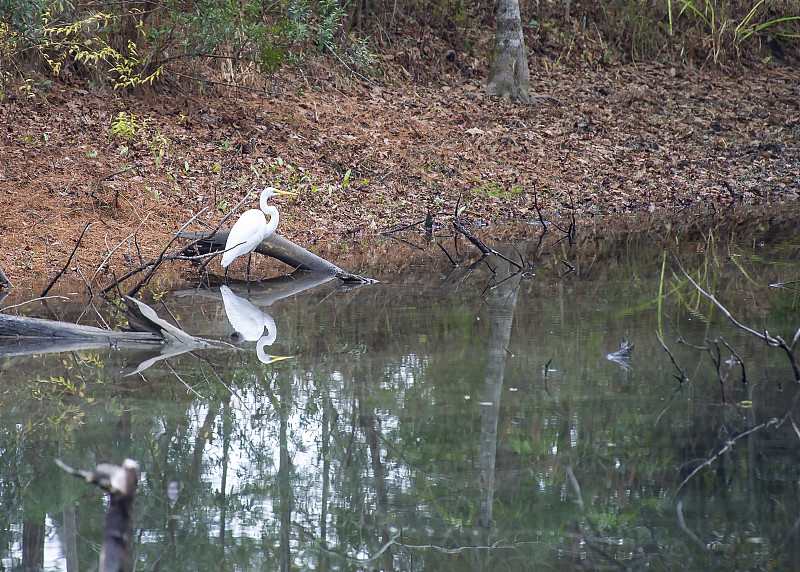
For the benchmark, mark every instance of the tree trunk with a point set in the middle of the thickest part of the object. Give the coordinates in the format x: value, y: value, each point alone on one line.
x: 509, y: 76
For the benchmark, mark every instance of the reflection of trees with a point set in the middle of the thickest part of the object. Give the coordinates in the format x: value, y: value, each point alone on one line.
x: 363, y: 451
x: 369, y: 423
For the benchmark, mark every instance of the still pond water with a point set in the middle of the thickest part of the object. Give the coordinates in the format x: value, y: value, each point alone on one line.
x: 448, y: 420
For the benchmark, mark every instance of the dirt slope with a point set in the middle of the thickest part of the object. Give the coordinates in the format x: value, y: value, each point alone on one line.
x: 368, y: 158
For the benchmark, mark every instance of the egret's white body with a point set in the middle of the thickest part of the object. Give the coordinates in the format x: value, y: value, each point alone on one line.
x: 251, y: 228
x: 250, y: 322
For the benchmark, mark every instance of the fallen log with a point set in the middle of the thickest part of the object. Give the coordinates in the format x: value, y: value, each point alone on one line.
x: 276, y: 247
x: 16, y: 327
x: 20, y: 335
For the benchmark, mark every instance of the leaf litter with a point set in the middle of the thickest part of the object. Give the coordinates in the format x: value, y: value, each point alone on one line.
x: 610, y: 146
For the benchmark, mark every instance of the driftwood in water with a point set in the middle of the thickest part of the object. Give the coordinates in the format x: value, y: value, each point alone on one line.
x: 277, y: 247
x: 37, y: 334
x: 20, y: 335
x: 116, y: 551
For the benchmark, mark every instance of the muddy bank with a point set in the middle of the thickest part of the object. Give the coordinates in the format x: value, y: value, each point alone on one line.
x: 629, y: 144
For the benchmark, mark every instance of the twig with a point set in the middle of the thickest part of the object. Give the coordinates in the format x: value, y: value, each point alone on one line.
x: 33, y: 300
x: 107, y: 177
x: 4, y: 279
x: 775, y: 341
x: 683, y: 377
x: 666, y: 407
x: 362, y: 76
x: 717, y: 359
x: 538, y: 210
x: 176, y: 374
x: 223, y: 84
x: 398, y: 229
x: 741, y: 363
x: 482, y: 247
x: 155, y: 266
x: 686, y: 529
x: 729, y: 445
x: 406, y: 242
x: 576, y: 486
x: 80, y: 273
x: 144, y: 265
x: 106, y: 259
x: 546, y: 371
x: 453, y: 262
x: 789, y: 536
x: 74, y: 250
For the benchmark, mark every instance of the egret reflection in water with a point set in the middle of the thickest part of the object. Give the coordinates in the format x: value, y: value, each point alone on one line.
x: 250, y: 322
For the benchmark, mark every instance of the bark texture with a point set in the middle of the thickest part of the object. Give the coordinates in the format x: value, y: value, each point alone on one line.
x: 509, y: 76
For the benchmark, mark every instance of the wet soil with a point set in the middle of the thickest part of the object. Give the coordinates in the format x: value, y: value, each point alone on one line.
x: 618, y: 147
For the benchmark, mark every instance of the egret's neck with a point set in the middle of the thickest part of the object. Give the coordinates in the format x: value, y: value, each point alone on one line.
x: 272, y: 329
x: 272, y: 212
x: 263, y: 201
x: 268, y: 338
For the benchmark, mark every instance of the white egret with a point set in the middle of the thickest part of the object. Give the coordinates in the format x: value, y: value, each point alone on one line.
x: 251, y: 229
x: 250, y: 322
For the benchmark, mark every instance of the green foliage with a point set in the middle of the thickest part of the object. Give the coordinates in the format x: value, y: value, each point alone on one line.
x: 126, y: 126
x: 725, y: 28
x: 330, y: 21
x: 127, y: 48
x: 133, y: 129
x: 499, y: 191
x: 712, y: 30
x: 60, y: 37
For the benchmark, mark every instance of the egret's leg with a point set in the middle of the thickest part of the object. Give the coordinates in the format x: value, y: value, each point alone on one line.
x: 249, y: 258
x: 226, y: 275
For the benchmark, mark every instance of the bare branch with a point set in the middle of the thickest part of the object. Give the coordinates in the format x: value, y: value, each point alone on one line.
x: 686, y: 529
x: 776, y: 341
x: 683, y: 377
x: 74, y: 250
x: 160, y: 258
x: 741, y: 363
x: 110, y: 254
x: 728, y: 446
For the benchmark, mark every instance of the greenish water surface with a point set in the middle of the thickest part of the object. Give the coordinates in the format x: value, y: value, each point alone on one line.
x: 452, y: 420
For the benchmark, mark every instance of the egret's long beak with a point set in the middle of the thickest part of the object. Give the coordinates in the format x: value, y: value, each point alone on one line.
x: 273, y: 359
x: 277, y: 192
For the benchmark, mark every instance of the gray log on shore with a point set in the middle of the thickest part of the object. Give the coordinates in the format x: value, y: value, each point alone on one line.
x: 279, y: 248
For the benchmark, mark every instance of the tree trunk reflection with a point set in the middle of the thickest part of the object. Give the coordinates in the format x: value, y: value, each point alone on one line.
x: 502, y: 301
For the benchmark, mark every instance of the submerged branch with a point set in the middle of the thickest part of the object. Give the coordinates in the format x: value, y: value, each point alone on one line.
x: 728, y: 446
x: 480, y: 246
x: 682, y: 377
x: 775, y: 341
